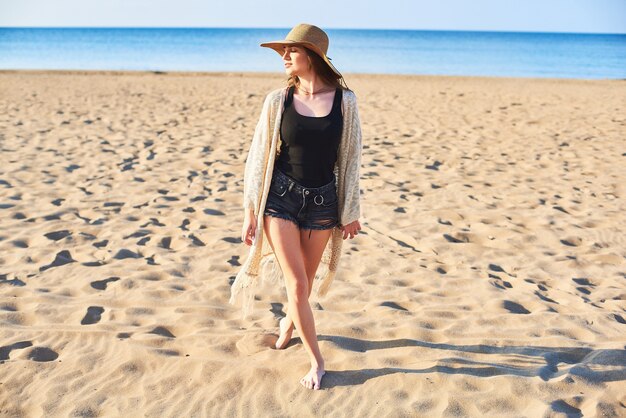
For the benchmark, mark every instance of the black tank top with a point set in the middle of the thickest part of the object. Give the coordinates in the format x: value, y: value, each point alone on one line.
x: 309, y: 144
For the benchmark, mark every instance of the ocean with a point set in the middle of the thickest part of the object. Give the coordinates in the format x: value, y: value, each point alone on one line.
x: 502, y: 54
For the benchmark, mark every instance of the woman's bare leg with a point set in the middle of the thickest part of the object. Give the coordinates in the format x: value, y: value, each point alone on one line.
x: 284, y: 238
x: 312, y: 250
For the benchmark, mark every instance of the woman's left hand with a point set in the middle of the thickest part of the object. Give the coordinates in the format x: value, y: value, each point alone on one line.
x: 351, y: 229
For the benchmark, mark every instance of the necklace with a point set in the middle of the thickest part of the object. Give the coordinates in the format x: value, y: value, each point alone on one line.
x: 306, y: 92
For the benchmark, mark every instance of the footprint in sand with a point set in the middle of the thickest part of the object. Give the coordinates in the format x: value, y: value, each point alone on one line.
x: 584, y: 284
x: 499, y: 283
x: 96, y: 263
x: 561, y: 406
x: 495, y: 267
x: 102, y: 284
x: 62, y: 258
x: 138, y: 234
x: 42, y: 354
x: 434, y: 166
x: 162, y: 331
x: 113, y: 204
x: 583, y: 281
x: 560, y: 208
x: 90, y: 237
x: 514, y: 307
x: 572, y: 241
x: 165, y: 243
x: 143, y: 241
x: 101, y: 244
x: 153, y: 221
x: 213, y: 212
x: 167, y: 352
x: 84, y: 190
x: 125, y: 253
x: 234, y: 261
x: 8, y: 306
x: 14, y: 282
x: 394, y: 305
x: 93, y: 315
x: 544, y: 298
x: 51, y: 217
x: 456, y: 240
x: 128, y: 163
x: 196, y: 241
x: 18, y: 243
x: 175, y: 243
x: 6, y: 350
x: 186, y: 222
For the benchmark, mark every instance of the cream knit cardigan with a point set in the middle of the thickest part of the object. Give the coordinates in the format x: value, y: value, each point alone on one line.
x: 261, y: 262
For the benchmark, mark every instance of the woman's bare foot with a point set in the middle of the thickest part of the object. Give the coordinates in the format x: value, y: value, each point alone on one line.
x: 313, y: 379
x: 285, y: 333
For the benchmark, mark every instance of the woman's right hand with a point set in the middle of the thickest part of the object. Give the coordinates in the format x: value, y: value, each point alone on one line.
x: 248, y: 230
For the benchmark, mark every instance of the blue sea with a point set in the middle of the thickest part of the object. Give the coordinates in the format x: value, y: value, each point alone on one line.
x: 508, y: 54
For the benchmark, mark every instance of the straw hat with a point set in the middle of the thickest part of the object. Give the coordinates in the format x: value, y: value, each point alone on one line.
x: 309, y: 36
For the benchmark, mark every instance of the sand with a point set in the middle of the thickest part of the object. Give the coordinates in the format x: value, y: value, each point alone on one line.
x: 488, y: 279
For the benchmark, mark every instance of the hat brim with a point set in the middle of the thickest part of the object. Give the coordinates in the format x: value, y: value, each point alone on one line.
x: 278, y: 47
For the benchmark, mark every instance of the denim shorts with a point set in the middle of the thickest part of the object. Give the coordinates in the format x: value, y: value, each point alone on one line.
x: 308, y: 207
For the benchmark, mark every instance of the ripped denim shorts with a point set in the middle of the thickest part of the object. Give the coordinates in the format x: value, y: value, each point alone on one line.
x: 307, y: 207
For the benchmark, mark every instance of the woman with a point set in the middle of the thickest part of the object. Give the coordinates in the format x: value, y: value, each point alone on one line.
x: 301, y: 186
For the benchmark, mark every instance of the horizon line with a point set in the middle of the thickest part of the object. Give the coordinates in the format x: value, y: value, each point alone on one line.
x: 326, y: 28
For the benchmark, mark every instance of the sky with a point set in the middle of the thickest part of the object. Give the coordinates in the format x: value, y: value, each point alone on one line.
x: 581, y: 16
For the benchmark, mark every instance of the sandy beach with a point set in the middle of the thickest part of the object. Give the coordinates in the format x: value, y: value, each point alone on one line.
x: 489, y: 279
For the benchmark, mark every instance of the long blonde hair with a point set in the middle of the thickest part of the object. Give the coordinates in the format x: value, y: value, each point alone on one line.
x: 323, y: 71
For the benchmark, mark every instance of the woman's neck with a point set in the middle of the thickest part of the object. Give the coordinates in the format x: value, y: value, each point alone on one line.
x: 312, y: 85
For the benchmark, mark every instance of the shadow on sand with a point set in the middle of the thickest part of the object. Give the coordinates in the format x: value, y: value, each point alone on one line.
x: 593, y: 366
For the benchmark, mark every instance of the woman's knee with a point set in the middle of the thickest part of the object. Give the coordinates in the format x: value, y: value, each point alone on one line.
x: 299, y: 289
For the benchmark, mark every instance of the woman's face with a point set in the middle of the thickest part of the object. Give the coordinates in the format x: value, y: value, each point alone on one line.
x: 296, y: 60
